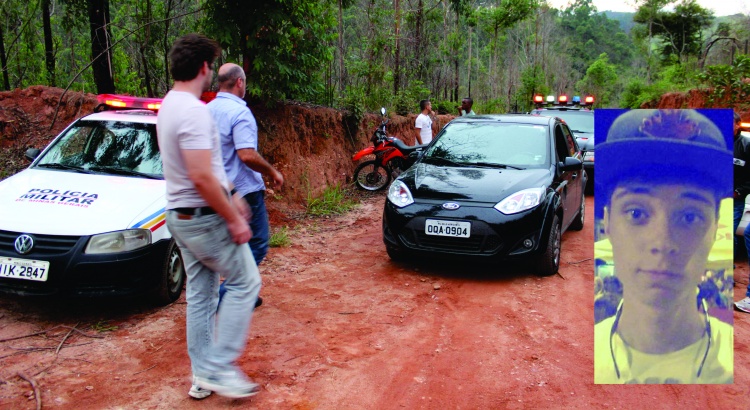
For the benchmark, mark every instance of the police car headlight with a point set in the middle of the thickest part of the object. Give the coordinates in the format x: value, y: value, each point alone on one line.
x: 120, y: 241
x: 520, y: 201
x: 399, y: 194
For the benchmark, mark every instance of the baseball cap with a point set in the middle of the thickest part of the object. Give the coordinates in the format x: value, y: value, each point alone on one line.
x: 665, y: 145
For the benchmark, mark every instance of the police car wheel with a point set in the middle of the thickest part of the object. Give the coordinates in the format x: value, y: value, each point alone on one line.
x: 549, y: 261
x: 172, y: 276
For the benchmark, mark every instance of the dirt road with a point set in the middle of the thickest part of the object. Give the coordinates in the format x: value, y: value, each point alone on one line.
x: 342, y: 327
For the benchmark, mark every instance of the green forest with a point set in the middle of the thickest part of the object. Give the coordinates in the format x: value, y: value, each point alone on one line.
x: 362, y: 54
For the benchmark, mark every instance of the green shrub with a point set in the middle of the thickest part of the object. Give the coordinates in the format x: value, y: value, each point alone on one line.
x: 280, y: 238
x: 333, y: 201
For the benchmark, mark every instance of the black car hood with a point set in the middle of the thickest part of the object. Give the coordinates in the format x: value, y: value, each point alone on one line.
x: 489, y: 185
x: 585, y: 140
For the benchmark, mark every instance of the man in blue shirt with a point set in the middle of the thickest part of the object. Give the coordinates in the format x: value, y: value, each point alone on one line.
x: 243, y: 163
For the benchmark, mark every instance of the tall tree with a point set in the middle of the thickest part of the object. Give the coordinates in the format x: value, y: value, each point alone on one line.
x: 49, y: 52
x: 101, y: 54
x: 680, y: 30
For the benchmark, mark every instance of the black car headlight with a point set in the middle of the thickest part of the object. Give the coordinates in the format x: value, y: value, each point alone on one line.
x: 120, y: 241
x: 520, y: 201
x: 399, y: 194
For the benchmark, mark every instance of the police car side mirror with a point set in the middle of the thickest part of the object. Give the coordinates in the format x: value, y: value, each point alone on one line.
x: 570, y: 164
x: 32, y: 153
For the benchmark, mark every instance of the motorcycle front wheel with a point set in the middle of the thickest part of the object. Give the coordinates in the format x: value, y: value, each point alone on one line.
x: 371, y: 176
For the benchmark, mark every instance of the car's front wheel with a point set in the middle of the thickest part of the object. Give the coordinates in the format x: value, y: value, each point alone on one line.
x: 396, y: 254
x: 172, y: 277
x: 549, y: 261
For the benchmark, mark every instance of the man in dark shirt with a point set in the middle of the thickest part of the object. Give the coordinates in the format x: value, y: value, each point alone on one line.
x: 741, y: 190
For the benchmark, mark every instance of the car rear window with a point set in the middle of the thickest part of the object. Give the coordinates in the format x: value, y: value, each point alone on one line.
x: 519, y: 145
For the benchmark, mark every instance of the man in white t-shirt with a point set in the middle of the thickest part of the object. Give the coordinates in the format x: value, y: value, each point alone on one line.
x: 423, y: 124
x: 209, y: 225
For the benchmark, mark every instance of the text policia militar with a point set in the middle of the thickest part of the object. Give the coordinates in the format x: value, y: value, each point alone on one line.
x: 72, y: 198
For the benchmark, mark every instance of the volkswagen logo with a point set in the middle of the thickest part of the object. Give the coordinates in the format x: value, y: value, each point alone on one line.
x: 451, y: 206
x: 23, y: 244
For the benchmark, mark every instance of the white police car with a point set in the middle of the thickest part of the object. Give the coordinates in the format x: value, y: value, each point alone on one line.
x: 87, y: 217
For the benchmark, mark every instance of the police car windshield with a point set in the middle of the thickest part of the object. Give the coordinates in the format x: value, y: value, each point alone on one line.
x: 121, y: 148
x: 486, y: 144
x: 578, y: 121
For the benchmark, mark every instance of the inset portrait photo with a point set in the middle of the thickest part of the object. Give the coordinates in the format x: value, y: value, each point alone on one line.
x: 664, y: 247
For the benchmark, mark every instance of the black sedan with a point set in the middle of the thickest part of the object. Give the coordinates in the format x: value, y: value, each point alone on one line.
x: 494, y: 186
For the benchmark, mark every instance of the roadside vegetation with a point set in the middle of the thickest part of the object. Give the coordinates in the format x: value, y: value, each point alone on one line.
x: 280, y: 237
x: 359, y: 55
x: 334, y: 200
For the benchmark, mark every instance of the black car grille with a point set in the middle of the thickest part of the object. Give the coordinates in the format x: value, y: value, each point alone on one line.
x: 44, y: 245
x: 476, y: 244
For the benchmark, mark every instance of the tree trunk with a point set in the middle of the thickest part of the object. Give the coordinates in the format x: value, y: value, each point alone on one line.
x: 342, y: 83
x: 469, y: 67
x: 49, y: 53
x: 418, y: 41
x: 100, y: 42
x: 166, y: 43
x: 4, y: 60
x: 397, y: 63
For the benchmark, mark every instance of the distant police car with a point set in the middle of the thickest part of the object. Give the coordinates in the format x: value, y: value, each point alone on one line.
x: 87, y: 217
x: 578, y: 115
x: 489, y: 186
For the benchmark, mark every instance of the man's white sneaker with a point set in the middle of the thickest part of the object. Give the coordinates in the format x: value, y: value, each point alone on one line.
x: 231, y: 384
x: 743, y: 305
x: 197, y: 392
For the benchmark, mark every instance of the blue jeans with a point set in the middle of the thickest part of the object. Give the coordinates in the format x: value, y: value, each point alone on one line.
x: 208, y: 252
x: 739, y: 209
x: 259, y: 226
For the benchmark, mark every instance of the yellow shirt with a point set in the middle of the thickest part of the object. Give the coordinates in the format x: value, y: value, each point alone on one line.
x: 680, y: 367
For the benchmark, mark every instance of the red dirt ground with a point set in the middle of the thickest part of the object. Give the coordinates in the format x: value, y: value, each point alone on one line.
x: 344, y: 327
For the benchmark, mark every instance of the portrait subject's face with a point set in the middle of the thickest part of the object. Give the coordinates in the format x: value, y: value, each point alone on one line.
x: 661, y: 236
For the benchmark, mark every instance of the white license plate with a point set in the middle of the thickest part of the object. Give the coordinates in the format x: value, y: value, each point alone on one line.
x: 24, y: 269
x: 454, y: 229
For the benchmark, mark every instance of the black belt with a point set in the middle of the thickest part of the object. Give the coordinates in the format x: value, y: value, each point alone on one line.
x: 204, y: 210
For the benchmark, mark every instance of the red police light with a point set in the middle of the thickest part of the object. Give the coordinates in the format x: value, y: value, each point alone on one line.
x: 538, y: 98
x: 562, y: 99
x: 589, y: 99
x: 126, y: 101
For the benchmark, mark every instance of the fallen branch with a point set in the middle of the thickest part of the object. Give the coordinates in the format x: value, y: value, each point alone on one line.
x: 29, y: 335
x: 560, y: 274
x: 145, y: 370
x: 66, y: 338
x: 82, y: 332
x: 582, y: 260
x: 349, y: 313
x: 33, y: 384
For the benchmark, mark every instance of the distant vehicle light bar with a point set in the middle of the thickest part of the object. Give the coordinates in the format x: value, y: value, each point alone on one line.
x: 550, y: 98
x: 126, y: 101
x: 589, y: 99
x: 538, y: 98
x: 562, y: 99
x: 576, y: 99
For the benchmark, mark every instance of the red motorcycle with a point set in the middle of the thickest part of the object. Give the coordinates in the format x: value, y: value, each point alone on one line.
x: 392, y: 157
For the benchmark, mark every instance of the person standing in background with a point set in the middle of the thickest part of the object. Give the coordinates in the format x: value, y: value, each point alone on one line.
x: 741, y: 190
x: 423, y: 124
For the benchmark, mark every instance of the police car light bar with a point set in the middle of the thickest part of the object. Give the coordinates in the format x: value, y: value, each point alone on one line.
x: 538, y: 99
x: 550, y: 98
x: 562, y: 99
x: 589, y: 100
x: 125, y: 101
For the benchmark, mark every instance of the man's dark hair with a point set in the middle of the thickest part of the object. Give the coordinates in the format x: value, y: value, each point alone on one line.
x: 229, y: 77
x: 423, y: 104
x: 471, y: 102
x: 189, y: 53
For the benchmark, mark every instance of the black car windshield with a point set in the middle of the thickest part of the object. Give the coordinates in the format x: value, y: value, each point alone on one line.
x: 109, y: 147
x: 510, y: 145
x: 578, y: 121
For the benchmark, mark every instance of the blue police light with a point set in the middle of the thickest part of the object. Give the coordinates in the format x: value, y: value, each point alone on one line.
x: 576, y: 99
